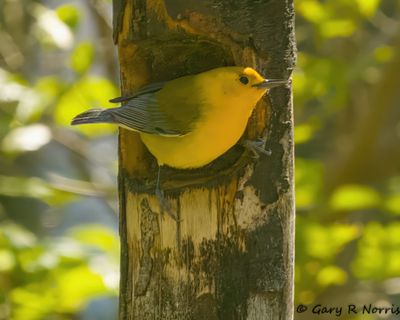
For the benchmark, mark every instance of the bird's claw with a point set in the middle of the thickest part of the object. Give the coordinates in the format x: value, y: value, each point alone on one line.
x: 257, y: 147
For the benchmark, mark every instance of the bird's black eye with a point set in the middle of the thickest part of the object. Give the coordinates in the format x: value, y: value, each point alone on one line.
x: 244, y: 80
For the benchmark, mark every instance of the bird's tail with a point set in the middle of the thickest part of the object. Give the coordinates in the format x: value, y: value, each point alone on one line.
x: 93, y: 116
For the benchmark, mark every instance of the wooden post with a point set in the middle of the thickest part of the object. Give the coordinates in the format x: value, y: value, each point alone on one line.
x: 231, y: 254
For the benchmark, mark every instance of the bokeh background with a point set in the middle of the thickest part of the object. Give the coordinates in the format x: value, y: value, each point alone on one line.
x: 59, y: 246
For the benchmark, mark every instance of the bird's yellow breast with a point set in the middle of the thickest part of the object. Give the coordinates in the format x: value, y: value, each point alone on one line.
x: 223, y: 121
x: 225, y: 106
x: 192, y: 120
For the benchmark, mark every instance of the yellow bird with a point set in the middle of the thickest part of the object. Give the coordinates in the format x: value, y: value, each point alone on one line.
x: 190, y: 121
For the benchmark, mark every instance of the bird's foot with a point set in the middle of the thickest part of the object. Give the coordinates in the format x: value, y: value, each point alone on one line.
x: 257, y: 147
x: 165, y: 206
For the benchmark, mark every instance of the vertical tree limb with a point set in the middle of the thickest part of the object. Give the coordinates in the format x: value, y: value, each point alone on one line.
x: 231, y: 254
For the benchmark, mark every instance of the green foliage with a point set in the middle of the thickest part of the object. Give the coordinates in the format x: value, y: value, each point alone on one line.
x: 82, y: 57
x: 97, y: 237
x: 68, y: 14
x: 378, y: 255
x: 392, y: 204
x: 52, y: 264
x: 347, y: 190
x: 308, y: 182
x: 317, y: 248
x: 33, y: 188
x: 326, y: 242
x: 44, y: 280
x: 368, y: 7
x: 354, y: 197
x: 87, y: 92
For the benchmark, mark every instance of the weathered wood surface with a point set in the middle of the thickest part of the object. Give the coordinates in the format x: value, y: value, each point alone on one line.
x: 231, y: 255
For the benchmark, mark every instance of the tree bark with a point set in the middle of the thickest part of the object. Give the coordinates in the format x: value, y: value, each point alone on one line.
x: 230, y: 256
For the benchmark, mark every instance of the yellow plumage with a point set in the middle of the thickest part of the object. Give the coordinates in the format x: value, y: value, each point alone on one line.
x: 190, y: 121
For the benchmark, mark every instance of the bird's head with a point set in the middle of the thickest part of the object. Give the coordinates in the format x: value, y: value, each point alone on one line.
x: 245, y: 83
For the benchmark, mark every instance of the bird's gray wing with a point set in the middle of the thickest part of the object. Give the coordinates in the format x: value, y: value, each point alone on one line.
x: 150, y: 88
x: 143, y: 114
x: 152, y: 110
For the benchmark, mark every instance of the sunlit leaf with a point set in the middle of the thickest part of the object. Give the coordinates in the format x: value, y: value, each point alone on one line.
x: 76, y: 286
x: 331, y: 275
x: 7, y: 260
x: 69, y: 14
x: 368, y: 7
x: 98, y: 236
x: 10, y: 90
x: 69, y: 251
x: 308, y: 181
x: 324, y: 242
x: 24, y: 187
x: 354, y: 197
x: 89, y: 92
x: 303, y: 133
x: 312, y: 10
x: 299, y: 82
x: 82, y: 57
x: 378, y: 255
x: 17, y: 236
x: 28, y: 138
x: 15, y: 89
x: 28, y: 259
x: 52, y: 28
x: 31, y: 304
x: 392, y: 204
x: 337, y: 28
x: 49, y: 87
x: 32, y: 188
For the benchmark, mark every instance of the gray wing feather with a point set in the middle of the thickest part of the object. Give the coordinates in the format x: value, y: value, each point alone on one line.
x: 150, y: 88
x: 142, y: 113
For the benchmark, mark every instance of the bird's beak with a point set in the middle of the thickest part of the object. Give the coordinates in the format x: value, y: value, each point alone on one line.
x: 270, y: 83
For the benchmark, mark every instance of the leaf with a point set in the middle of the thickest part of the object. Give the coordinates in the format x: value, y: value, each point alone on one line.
x: 304, y: 132
x: 337, y: 28
x: 33, y: 188
x: 98, y: 236
x: 51, y: 30
x: 312, y: 10
x: 331, y: 275
x: 323, y: 242
x: 69, y: 14
x: 354, y: 197
x: 28, y: 138
x: 77, y: 286
x: 368, y: 7
x: 392, y: 204
x: 7, y: 260
x: 82, y: 57
x: 16, y: 236
x: 31, y: 304
x: 49, y: 88
x: 308, y: 181
x: 89, y: 92
x: 378, y: 255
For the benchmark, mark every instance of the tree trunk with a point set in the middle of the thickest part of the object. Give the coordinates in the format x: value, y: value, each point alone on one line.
x: 230, y: 255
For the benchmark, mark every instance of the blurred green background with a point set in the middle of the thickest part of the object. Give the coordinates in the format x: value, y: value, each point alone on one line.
x: 59, y: 246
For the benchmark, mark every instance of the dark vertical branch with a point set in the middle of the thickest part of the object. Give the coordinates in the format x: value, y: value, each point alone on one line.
x: 231, y: 255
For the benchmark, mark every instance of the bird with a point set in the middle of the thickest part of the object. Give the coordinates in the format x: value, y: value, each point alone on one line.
x: 189, y: 121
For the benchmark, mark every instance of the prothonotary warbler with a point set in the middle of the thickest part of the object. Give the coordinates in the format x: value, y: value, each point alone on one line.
x: 189, y: 121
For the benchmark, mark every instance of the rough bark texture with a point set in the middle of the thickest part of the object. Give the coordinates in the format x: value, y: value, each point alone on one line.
x: 231, y: 255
